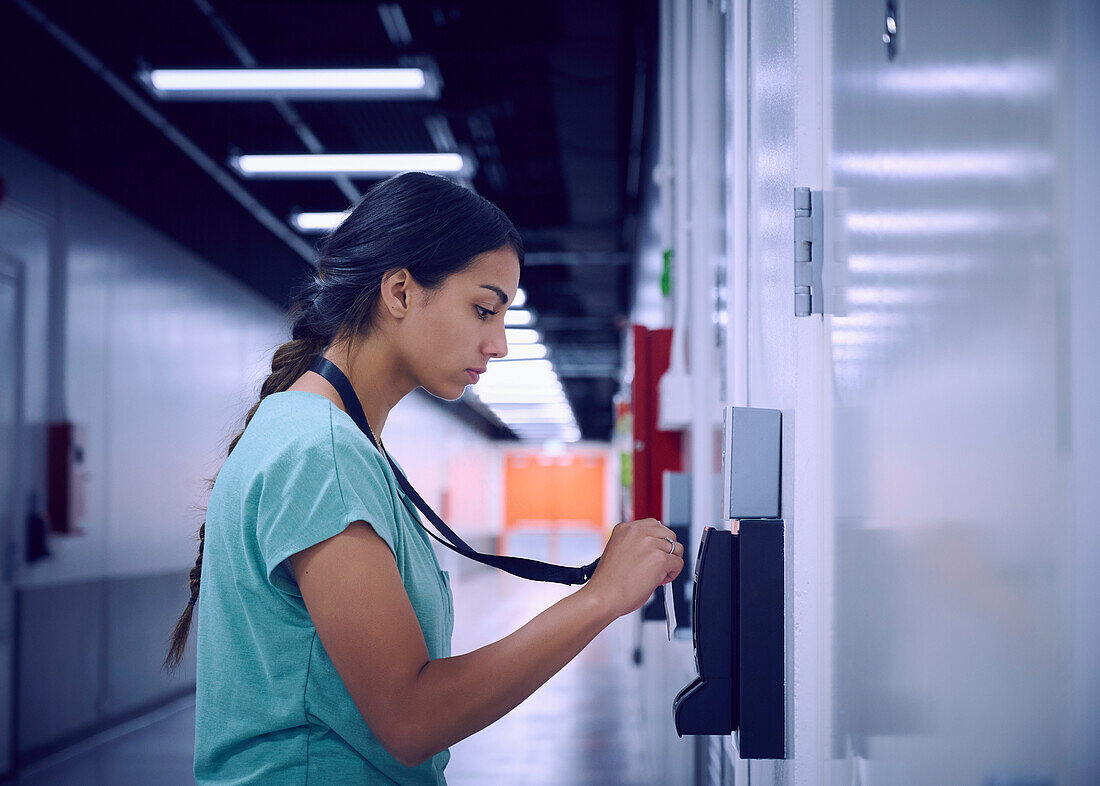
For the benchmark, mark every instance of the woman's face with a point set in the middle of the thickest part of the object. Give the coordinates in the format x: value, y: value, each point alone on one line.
x: 460, y: 326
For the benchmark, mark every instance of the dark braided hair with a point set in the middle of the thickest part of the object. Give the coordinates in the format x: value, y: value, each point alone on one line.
x: 423, y: 223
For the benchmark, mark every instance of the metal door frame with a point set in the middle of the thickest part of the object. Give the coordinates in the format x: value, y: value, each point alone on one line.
x: 12, y: 269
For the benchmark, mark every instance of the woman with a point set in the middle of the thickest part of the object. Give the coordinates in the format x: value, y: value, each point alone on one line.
x: 325, y: 620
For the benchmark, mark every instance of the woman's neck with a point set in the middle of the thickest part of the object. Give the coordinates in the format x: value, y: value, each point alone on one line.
x: 376, y: 373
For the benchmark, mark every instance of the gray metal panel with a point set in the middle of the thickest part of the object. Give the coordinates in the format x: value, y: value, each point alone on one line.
x: 60, y: 661
x: 90, y: 653
x: 753, y: 462
x: 141, y: 613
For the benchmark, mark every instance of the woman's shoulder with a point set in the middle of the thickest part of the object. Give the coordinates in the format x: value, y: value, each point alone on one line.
x: 298, y: 421
x: 291, y: 418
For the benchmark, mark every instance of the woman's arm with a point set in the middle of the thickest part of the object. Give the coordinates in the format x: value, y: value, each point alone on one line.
x: 417, y: 706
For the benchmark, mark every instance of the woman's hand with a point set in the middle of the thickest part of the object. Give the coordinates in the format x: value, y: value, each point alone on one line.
x: 635, y: 562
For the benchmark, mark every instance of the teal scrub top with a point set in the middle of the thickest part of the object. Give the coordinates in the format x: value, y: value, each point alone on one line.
x: 270, y: 706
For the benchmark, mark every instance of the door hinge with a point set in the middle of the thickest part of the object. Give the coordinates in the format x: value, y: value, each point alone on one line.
x: 809, y: 252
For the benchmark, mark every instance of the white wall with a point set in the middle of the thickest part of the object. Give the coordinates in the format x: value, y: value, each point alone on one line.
x: 1084, y: 361
x: 939, y: 448
x: 163, y: 355
x: 953, y: 448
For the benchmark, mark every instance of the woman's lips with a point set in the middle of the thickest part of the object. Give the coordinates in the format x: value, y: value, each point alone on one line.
x: 474, y: 376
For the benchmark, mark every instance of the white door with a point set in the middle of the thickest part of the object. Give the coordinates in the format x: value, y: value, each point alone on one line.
x: 952, y: 437
x: 928, y: 447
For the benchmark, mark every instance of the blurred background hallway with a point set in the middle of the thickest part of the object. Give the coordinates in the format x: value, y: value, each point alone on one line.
x: 863, y: 227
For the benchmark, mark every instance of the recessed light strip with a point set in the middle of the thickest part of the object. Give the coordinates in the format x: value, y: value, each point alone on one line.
x: 316, y: 222
x: 521, y: 335
x: 325, y: 165
x: 263, y: 84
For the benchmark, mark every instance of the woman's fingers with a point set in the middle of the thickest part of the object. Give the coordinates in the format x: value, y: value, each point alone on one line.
x: 673, y: 556
x: 639, y: 556
x: 675, y: 548
x: 675, y: 564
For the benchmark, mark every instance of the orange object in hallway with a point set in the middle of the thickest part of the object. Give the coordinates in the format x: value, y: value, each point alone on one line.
x: 541, y: 491
x: 554, y: 493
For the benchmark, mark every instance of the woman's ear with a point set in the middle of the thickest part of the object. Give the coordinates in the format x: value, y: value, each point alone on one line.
x: 396, y: 287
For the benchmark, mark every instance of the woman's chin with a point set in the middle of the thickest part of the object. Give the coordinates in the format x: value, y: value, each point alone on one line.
x: 448, y: 392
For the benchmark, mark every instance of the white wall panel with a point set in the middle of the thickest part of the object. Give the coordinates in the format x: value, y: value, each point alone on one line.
x: 935, y: 609
x: 950, y: 375
x: 1085, y: 391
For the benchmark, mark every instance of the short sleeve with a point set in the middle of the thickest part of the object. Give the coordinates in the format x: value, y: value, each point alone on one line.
x: 308, y: 496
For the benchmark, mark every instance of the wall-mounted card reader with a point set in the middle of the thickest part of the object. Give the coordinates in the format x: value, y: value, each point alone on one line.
x: 709, y: 704
x: 738, y: 634
x: 737, y: 608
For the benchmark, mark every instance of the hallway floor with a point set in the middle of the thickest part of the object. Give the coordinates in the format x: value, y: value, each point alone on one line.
x: 579, y: 729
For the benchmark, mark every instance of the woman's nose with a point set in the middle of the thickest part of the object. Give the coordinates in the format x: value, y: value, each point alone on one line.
x: 498, y: 343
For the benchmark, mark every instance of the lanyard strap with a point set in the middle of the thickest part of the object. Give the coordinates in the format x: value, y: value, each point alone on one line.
x: 517, y: 566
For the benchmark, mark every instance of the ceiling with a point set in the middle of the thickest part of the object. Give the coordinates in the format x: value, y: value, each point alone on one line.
x: 549, y: 98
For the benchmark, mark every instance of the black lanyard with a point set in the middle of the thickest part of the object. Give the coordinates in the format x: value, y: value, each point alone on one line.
x: 517, y: 566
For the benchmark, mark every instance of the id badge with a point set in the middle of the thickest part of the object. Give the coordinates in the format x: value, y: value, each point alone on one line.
x: 670, y: 610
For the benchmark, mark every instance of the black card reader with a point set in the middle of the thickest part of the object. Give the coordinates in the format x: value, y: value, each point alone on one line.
x: 738, y: 631
x: 706, y: 706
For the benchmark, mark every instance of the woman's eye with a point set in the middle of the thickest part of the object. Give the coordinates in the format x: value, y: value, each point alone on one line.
x: 484, y: 313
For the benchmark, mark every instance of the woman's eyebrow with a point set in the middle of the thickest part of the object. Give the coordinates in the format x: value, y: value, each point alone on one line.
x: 499, y: 291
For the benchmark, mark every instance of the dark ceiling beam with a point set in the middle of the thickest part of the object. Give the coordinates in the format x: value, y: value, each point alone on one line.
x: 584, y: 77
x: 577, y: 258
x: 578, y: 237
x: 568, y: 323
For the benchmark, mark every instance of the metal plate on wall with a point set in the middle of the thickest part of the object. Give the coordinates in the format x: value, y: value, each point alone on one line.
x: 752, y: 462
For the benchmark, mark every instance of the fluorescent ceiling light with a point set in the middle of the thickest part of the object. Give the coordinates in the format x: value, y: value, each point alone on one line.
x: 533, y: 383
x: 519, y: 370
x: 560, y: 407
x: 520, y: 299
x: 525, y: 352
x: 503, y: 394
x: 317, y: 222
x: 264, y: 84
x: 535, y: 420
x: 517, y: 317
x: 521, y: 336
x: 543, y: 381
x: 306, y: 165
x: 519, y: 385
x: 540, y: 380
x: 529, y: 397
